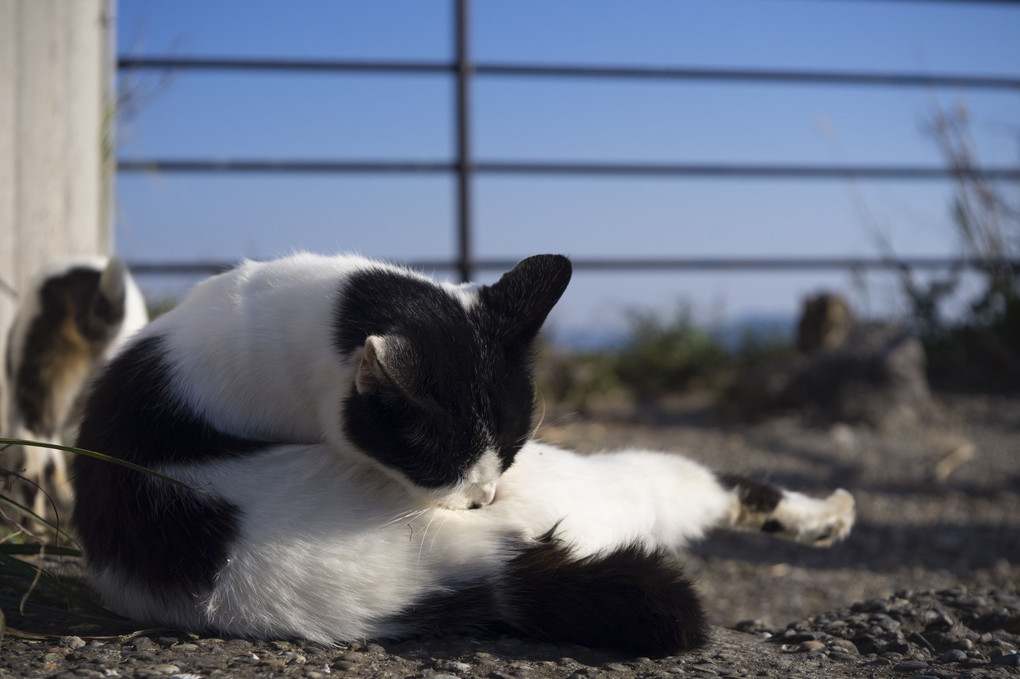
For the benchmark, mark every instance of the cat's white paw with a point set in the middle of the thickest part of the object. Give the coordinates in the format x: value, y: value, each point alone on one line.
x: 815, y: 522
x: 841, y: 511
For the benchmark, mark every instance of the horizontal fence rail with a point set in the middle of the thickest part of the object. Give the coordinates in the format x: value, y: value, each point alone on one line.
x: 708, y: 170
x: 464, y: 167
x: 651, y: 264
x: 787, y: 76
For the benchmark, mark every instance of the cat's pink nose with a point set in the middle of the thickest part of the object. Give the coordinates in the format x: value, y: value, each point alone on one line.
x: 482, y: 495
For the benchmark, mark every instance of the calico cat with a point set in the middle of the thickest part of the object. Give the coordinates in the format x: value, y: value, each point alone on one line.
x: 75, y: 315
x: 357, y: 442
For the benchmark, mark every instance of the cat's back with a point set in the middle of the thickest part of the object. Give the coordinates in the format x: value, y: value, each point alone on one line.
x: 253, y: 350
x: 257, y: 300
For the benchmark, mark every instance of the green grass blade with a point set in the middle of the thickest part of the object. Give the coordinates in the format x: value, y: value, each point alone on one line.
x: 18, y: 599
x: 14, y: 504
x: 98, y: 456
x: 37, y: 549
x: 14, y: 573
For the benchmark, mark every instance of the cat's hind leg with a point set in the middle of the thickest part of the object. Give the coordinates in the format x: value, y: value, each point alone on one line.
x: 788, y: 514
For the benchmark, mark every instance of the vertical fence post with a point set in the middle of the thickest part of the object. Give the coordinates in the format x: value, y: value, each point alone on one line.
x: 462, y: 118
x: 55, y: 103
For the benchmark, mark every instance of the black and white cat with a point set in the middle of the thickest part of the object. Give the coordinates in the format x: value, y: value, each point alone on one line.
x: 358, y: 440
x: 73, y: 316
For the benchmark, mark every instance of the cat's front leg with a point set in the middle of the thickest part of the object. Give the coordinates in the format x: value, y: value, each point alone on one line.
x: 761, y: 507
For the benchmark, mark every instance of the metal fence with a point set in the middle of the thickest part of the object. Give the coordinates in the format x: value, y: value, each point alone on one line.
x: 463, y: 70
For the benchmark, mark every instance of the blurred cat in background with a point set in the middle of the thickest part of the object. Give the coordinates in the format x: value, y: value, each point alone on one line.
x: 73, y: 317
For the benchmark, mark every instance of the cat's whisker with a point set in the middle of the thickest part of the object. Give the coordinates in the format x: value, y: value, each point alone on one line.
x: 438, y: 530
x: 567, y: 420
x: 534, y: 430
x: 406, y: 516
x: 424, y: 534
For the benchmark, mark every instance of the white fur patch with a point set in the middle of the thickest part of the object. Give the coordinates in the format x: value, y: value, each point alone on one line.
x: 465, y: 293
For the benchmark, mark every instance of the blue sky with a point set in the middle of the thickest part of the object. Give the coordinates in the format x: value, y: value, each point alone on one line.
x: 234, y: 115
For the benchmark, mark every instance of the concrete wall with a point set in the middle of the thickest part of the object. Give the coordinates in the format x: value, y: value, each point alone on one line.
x: 56, y: 69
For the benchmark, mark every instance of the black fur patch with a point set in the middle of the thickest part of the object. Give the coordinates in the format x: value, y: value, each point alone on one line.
x: 630, y: 600
x: 50, y: 334
x: 461, y: 608
x: 102, y: 316
x: 466, y: 373
x: 757, y: 497
x: 132, y: 413
x: 772, y: 526
x: 170, y: 537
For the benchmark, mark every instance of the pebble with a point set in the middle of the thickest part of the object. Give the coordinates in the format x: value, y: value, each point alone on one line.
x: 1008, y: 660
x: 751, y: 626
x: 71, y: 642
x: 954, y: 655
x: 166, y: 669
x: 968, y: 601
x: 921, y: 640
x: 844, y: 645
x: 939, y: 622
x: 802, y: 637
x: 293, y: 658
x: 455, y: 666
x: 141, y: 644
x: 812, y: 646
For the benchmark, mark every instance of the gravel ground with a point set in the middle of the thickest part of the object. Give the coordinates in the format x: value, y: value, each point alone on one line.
x: 926, y: 586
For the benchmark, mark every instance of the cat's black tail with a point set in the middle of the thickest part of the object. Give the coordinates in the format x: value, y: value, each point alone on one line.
x: 630, y: 599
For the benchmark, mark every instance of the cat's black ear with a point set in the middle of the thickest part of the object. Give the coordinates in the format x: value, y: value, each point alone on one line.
x: 522, y: 298
x: 386, y: 366
x: 105, y: 310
